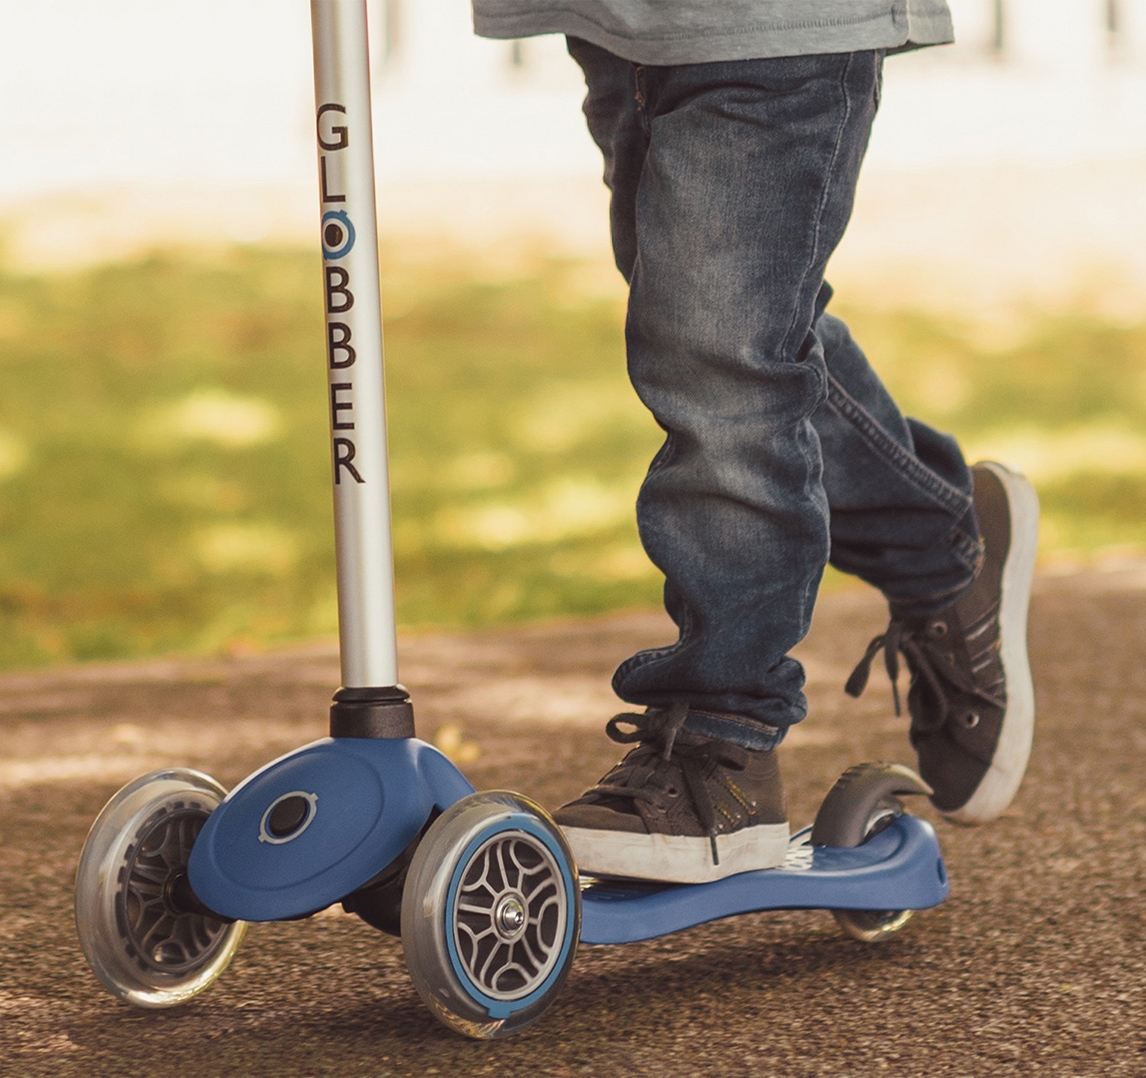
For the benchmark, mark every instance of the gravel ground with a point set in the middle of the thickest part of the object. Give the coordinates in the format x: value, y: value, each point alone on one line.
x: 1035, y: 965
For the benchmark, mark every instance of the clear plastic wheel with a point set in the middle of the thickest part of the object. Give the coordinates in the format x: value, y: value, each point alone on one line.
x: 141, y: 930
x: 491, y: 914
x: 872, y: 926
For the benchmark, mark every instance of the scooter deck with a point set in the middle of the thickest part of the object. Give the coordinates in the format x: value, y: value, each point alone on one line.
x: 901, y: 868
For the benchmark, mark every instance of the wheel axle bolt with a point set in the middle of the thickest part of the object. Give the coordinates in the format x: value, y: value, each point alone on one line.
x: 510, y: 915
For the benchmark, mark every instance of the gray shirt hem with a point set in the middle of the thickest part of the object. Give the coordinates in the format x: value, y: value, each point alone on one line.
x: 894, y: 30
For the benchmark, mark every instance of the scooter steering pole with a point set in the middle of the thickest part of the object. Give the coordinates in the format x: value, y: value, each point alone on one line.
x: 354, y: 345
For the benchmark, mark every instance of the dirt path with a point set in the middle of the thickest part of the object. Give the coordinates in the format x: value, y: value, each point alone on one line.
x: 1035, y: 965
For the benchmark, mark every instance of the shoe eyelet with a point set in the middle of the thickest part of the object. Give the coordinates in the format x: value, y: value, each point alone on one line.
x: 937, y: 629
x: 971, y: 720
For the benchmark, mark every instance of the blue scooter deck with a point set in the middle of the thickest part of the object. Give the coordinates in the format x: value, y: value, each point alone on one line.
x: 901, y: 868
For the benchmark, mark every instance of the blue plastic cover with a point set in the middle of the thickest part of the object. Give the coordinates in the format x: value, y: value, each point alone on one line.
x: 901, y: 868
x: 366, y: 801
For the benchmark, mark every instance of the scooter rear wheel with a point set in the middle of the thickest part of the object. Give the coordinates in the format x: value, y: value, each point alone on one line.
x: 491, y: 914
x: 143, y: 943
x: 874, y: 926
x: 861, y: 804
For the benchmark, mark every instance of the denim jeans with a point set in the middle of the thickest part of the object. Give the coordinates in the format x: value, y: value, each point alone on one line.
x: 731, y: 185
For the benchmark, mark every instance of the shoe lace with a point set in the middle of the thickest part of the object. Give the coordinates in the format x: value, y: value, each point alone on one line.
x: 912, y: 640
x: 657, y: 731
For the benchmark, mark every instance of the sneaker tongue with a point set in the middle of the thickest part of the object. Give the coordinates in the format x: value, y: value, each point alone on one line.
x: 724, y: 753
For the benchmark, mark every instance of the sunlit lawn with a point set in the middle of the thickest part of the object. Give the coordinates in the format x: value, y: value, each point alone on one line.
x: 164, y: 474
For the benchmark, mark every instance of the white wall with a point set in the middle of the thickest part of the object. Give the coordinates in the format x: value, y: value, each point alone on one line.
x: 128, y: 92
x: 138, y: 91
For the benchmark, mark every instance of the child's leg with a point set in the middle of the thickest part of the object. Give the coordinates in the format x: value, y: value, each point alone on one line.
x: 899, y: 491
x: 732, y: 184
x: 953, y: 550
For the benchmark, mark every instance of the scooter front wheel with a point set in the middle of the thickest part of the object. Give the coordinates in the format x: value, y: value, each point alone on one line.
x: 141, y: 930
x: 491, y: 914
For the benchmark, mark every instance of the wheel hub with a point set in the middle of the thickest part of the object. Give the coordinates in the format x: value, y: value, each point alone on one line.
x: 162, y: 936
x: 510, y: 916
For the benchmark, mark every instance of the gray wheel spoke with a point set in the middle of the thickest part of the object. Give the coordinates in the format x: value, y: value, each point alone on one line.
x: 537, y: 960
x: 512, y: 967
x: 524, y: 871
x: 483, y: 971
x: 500, y: 854
x: 543, y: 894
x: 483, y: 933
x: 483, y: 881
x: 157, y: 874
x: 465, y: 907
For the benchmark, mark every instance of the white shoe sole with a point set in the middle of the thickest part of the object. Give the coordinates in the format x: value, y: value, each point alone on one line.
x: 1003, y: 778
x: 677, y: 858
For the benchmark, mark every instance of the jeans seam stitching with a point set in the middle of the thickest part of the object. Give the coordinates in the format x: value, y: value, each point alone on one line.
x: 935, y: 487
x: 739, y: 720
x: 824, y: 197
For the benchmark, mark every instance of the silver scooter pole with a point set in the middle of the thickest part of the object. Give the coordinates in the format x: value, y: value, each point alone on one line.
x: 370, y: 703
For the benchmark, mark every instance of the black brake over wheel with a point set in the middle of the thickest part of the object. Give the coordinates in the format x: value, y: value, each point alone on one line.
x: 863, y: 801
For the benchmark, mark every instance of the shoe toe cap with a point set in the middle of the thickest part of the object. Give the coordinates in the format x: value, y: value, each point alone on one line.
x: 598, y: 818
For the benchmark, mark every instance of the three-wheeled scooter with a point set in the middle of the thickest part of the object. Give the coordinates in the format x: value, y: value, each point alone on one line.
x: 481, y: 887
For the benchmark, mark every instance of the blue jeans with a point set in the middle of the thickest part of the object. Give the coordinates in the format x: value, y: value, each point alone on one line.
x: 731, y: 185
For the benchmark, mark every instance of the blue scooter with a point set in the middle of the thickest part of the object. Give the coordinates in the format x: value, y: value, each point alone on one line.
x: 481, y: 887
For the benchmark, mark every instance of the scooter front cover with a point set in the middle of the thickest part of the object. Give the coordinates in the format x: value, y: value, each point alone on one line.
x: 315, y: 825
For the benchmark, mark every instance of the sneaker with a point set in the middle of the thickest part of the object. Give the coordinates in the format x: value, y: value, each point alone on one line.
x: 971, y: 698
x: 678, y: 808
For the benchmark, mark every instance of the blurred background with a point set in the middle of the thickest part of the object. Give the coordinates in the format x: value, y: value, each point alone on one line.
x: 164, y: 473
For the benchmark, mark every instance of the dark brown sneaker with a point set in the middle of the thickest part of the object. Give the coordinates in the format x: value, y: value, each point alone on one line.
x: 678, y: 808
x: 971, y: 699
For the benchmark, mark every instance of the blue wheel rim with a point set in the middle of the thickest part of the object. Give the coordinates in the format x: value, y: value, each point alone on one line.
x: 503, y: 1008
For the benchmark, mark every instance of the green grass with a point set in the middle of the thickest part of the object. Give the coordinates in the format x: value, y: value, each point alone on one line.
x: 1065, y: 400
x: 164, y: 475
